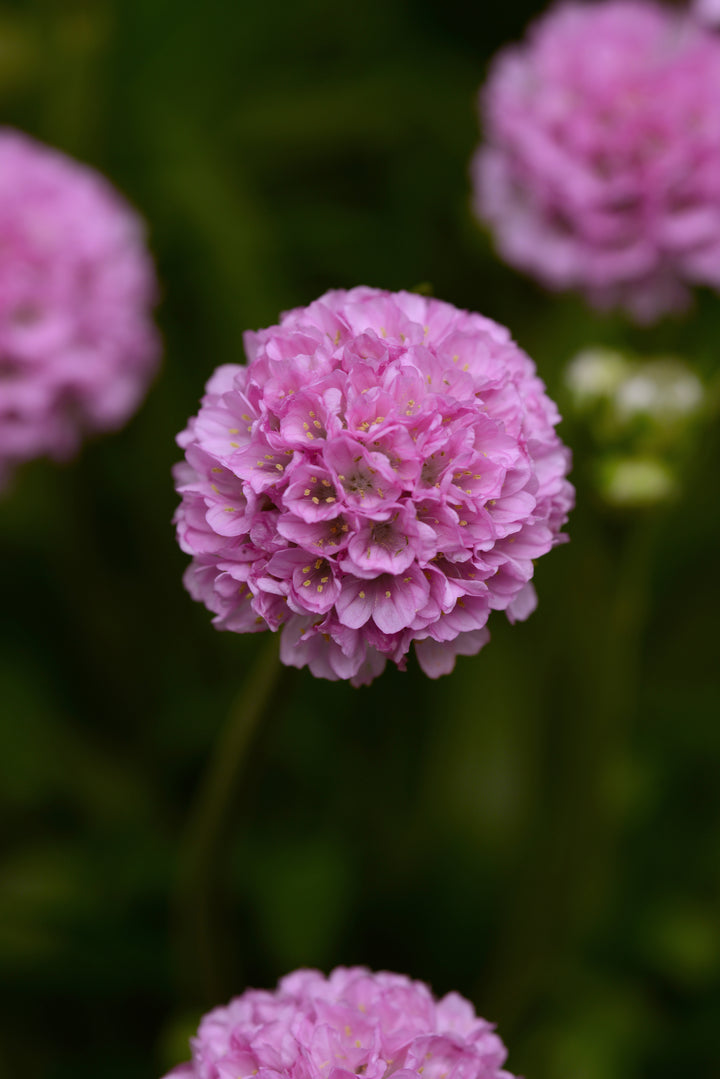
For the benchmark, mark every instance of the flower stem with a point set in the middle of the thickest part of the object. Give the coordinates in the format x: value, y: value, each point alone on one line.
x: 201, y: 861
x: 572, y: 864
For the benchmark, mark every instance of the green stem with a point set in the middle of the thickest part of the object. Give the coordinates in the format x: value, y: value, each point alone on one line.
x: 200, y: 856
x: 571, y: 867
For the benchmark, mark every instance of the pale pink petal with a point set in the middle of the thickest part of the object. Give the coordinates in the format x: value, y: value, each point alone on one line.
x: 523, y: 605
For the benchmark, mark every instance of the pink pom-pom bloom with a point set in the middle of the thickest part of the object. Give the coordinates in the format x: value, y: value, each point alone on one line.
x: 353, y: 1023
x: 77, y: 347
x: 383, y: 471
x: 601, y: 168
x: 707, y: 11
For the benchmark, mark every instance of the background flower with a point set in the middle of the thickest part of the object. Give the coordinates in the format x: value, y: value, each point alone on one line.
x: 384, y: 471
x: 707, y: 11
x: 354, y: 1022
x: 600, y: 168
x: 77, y: 346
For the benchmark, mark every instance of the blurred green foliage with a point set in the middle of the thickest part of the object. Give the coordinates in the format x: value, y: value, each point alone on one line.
x: 541, y: 830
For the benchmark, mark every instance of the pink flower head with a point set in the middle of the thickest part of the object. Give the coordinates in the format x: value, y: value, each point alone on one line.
x: 707, y: 11
x: 384, y: 471
x: 601, y: 167
x: 353, y: 1023
x: 77, y: 347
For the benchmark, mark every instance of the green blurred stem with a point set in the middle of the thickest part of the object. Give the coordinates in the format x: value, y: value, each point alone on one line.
x: 604, y: 756
x: 201, y: 861
x: 567, y: 879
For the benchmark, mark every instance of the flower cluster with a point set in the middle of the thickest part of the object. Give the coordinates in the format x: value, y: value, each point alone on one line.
x: 77, y: 346
x: 383, y: 471
x: 707, y: 11
x: 353, y: 1023
x: 601, y: 168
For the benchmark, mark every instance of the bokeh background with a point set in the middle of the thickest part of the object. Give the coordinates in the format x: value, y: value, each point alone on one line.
x: 540, y: 830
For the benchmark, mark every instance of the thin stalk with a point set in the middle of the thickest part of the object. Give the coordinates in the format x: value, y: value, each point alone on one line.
x: 201, y: 861
x: 572, y: 866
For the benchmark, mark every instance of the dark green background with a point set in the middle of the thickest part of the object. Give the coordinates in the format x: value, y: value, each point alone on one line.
x: 541, y: 830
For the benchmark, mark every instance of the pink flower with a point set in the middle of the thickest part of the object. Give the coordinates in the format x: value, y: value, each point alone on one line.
x: 707, y: 11
x: 384, y: 471
x: 77, y: 347
x: 601, y: 166
x: 352, y: 1023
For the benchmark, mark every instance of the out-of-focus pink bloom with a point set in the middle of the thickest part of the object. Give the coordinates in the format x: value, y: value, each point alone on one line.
x: 77, y: 346
x: 601, y: 164
x: 352, y: 1023
x: 384, y: 471
x: 707, y: 11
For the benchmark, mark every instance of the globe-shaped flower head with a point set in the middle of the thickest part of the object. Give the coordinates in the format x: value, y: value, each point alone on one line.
x: 354, y: 1023
x: 707, y: 11
x: 601, y: 166
x: 77, y: 347
x: 383, y: 472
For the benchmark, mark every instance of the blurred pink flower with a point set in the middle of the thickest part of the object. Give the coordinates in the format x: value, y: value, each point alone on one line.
x: 708, y: 11
x: 601, y: 164
x: 384, y: 471
x: 352, y: 1023
x: 77, y: 347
